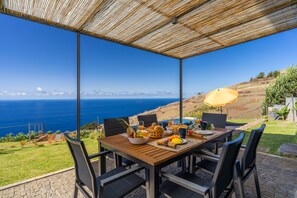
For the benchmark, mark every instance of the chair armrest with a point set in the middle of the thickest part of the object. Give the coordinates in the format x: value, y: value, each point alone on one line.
x: 185, y: 183
x: 243, y: 146
x: 205, y: 152
x: 207, y: 157
x: 120, y: 175
x: 238, y: 172
x: 99, y: 154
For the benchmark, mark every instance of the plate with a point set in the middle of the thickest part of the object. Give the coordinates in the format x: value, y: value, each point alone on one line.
x: 203, y: 132
x: 184, y: 142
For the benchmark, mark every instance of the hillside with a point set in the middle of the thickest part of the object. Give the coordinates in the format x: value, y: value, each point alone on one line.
x: 248, y: 105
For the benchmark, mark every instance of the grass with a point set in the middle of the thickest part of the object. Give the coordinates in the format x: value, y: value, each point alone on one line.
x: 18, y: 163
x: 276, y: 133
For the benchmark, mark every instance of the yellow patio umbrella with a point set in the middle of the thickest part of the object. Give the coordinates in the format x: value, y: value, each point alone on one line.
x: 221, y: 97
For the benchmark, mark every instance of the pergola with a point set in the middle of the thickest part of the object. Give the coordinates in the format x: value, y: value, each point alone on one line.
x: 175, y: 28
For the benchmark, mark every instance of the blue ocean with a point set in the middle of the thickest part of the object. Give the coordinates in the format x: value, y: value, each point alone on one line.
x: 52, y: 115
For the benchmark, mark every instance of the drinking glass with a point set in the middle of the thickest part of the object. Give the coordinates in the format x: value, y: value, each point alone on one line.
x: 170, y: 122
x: 140, y: 125
x: 175, y: 128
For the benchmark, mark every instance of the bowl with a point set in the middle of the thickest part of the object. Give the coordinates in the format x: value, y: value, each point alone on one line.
x: 142, y: 140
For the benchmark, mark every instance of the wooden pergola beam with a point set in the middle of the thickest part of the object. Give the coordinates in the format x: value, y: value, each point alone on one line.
x: 274, y: 9
x: 1, y: 6
x: 166, y: 23
x: 196, y: 54
x: 68, y: 28
x: 96, y: 10
x: 37, y: 20
x: 126, y: 29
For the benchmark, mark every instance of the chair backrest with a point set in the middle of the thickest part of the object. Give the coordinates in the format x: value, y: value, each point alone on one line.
x: 148, y: 119
x: 225, y: 169
x: 115, y: 126
x: 249, y: 155
x: 218, y: 120
x: 83, y: 169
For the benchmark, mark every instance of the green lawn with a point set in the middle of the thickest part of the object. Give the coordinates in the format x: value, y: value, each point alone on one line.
x: 276, y: 133
x: 18, y: 163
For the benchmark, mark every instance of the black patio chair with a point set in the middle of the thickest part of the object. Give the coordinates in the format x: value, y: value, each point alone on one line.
x: 115, y: 183
x: 115, y: 126
x: 219, y: 121
x: 148, y: 119
x: 185, y: 184
x: 248, y: 159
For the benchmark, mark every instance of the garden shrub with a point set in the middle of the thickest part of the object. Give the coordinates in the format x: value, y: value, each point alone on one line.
x: 284, y: 86
x: 9, y: 137
x: 94, y: 135
x: 90, y: 126
x: 20, y: 137
x: 85, y: 133
x: 32, y: 135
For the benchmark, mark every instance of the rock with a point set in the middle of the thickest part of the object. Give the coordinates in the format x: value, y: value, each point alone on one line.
x: 288, y: 150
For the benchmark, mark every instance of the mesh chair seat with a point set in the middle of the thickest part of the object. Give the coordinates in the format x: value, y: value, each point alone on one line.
x: 122, y: 186
x: 207, y: 165
x: 248, y: 159
x: 115, y: 183
x: 186, y: 184
x: 173, y: 190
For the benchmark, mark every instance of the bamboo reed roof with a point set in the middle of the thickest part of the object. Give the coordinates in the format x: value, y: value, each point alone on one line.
x: 175, y: 28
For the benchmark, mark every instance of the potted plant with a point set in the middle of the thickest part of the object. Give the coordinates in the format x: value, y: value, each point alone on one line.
x: 283, y: 112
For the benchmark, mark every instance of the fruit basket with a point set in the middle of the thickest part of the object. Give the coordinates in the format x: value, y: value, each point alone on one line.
x: 141, y: 140
x: 137, y: 137
x: 156, y: 131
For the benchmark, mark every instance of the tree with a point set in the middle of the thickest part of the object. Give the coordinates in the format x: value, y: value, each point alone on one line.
x: 273, y: 74
x: 90, y: 126
x: 276, y: 74
x: 270, y: 74
x: 261, y: 75
x: 285, y: 85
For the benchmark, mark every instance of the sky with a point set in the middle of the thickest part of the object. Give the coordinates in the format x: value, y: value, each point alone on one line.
x: 39, y: 62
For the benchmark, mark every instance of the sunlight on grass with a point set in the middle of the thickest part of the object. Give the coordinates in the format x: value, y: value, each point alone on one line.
x: 19, y: 163
x: 276, y: 133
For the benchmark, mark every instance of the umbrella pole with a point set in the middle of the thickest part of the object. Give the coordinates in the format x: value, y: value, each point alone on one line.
x: 221, y: 110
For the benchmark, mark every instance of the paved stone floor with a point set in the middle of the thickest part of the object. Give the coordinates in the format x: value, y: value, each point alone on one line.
x: 278, y: 178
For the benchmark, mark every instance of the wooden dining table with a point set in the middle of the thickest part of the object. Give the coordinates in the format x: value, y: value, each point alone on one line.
x: 152, y: 158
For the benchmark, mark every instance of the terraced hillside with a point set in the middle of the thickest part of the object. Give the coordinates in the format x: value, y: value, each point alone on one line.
x: 248, y: 105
